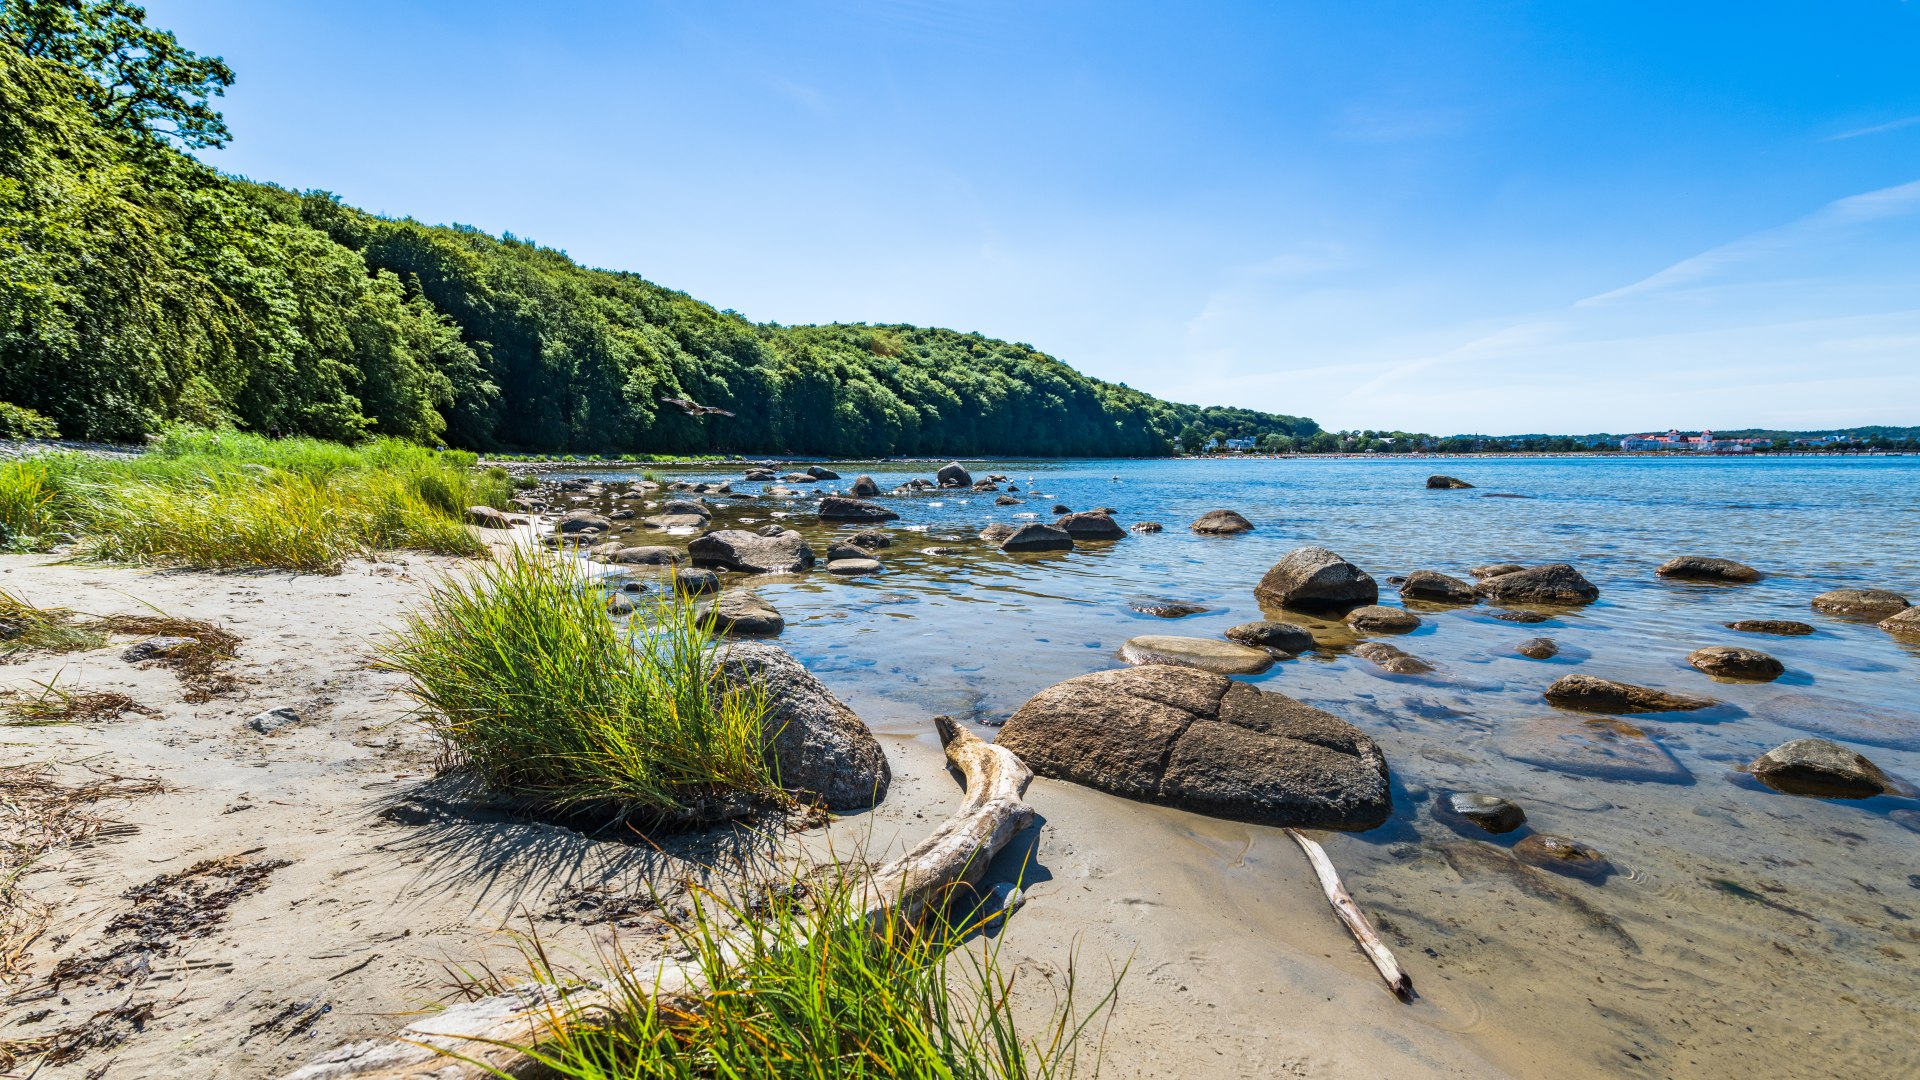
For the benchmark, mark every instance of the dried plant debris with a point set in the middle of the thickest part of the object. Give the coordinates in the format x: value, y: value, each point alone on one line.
x: 595, y: 904
x: 55, y: 704
x: 40, y: 814
x: 289, y: 1019
x: 101, y: 1031
x: 169, y: 909
x: 196, y: 651
x: 25, y: 629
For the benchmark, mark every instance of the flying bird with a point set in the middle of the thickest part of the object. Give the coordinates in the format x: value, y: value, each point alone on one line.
x: 692, y: 409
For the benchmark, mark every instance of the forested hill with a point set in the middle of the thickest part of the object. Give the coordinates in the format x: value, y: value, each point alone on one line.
x: 138, y: 287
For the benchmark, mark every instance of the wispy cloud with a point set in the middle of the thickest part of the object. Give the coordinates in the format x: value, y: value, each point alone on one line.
x: 1891, y: 125
x: 1888, y: 202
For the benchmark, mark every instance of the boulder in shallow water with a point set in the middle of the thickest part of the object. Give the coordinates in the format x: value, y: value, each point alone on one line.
x: 953, y: 474
x: 1702, y: 568
x: 1439, y: 481
x: 1495, y: 569
x: 1905, y: 622
x: 694, y: 581
x: 864, y: 487
x: 1589, y: 693
x: 1222, y: 523
x: 817, y: 744
x: 736, y: 549
x: 645, y: 556
x: 1538, y: 648
x: 819, y: 472
x: 1562, y: 855
x: 1148, y: 527
x: 1375, y: 619
x: 839, y: 508
x: 854, y: 567
x: 1090, y: 525
x: 1390, y: 659
x: 1314, y: 578
x: 1821, y: 768
x: 740, y: 613
x: 870, y: 539
x: 1603, y: 747
x: 574, y: 521
x: 1207, y: 654
x: 1196, y: 740
x: 1284, y: 637
x: 1557, y: 583
x: 1438, y: 588
x: 999, y: 531
x: 1733, y: 662
x: 1006, y: 500
x: 1035, y: 536
x: 1161, y: 608
x: 1487, y: 813
x: 688, y: 507
x: 1875, y: 604
x: 1777, y: 627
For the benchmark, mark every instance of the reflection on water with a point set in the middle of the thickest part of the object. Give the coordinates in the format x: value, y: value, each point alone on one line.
x: 1743, y: 930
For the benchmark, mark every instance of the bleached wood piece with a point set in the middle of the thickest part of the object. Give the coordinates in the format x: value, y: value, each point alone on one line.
x: 477, y: 1040
x: 1397, y: 979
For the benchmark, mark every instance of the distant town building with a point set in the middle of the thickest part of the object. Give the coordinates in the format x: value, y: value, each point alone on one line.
x: 1705, y: 442
x: 1241, y: 446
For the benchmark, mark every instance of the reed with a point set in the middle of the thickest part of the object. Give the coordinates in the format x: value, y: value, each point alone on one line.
x: 517, y: 667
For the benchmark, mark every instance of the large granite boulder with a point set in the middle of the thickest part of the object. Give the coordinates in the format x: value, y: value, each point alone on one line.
x: 1875, y: 604
x: 1435, y: 587
x: 1313, y: 578
x: 1034, y: 536
x: 1090, y: 525
x: 816, y: 744
x: 1192, y: 739
x: 1821, y: 768
x: 1702, y: 568
x: 1558, y: 583
x: 751, y: 553
x: 741, y: 614
x: 953, y: 474
x: 864, y: 487
x: 1590, y: 693
x: 837, y: 508
x: 1222, y: 523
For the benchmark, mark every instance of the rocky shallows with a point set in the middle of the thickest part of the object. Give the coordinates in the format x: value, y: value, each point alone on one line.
x: 1703, y: 568
x: 1590, y: 693
x: 1207, y: 654
x: 1557, y: 583
x: 1202, y: 742
x: 1314, y: 578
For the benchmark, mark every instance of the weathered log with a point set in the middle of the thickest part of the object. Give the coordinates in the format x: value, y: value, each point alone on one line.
x: 479, y: 1039
x: 1398, y: 980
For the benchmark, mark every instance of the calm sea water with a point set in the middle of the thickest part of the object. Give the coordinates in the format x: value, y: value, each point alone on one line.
x: 1746, y: 929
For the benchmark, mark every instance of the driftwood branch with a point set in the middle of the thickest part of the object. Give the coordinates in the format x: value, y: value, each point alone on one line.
x: 1398, y: 980
x: 477, y: 1040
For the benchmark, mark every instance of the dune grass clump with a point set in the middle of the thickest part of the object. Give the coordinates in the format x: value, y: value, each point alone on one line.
x: 518, y: 668
x: 798, y: 990
x: 233, y: 500
x: 24, y: 627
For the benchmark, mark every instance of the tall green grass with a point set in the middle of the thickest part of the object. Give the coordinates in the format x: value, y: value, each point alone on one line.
x: 229, y: 499
x: 800, y: 991
x: 518, y: 668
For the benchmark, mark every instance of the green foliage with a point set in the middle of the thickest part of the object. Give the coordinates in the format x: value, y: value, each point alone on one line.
x: 138, y: 287
x: 803, y: 992
x: 25, y: 502
x: 22, y: 423
x: 518, y: 668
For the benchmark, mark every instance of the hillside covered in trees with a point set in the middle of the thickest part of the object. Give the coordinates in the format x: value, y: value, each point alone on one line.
x: 138, y: 287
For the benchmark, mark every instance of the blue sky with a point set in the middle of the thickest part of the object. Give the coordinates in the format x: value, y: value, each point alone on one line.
x: 1445, y: 217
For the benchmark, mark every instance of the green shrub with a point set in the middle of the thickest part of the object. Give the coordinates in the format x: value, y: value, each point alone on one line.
x: 25, y: 502
x: 518, y: 668
x: 19, y: 422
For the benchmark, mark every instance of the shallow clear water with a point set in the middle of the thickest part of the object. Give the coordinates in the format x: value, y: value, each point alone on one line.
x: 1745, y: 929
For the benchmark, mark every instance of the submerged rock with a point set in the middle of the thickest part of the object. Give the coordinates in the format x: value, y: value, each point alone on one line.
x: 1562, y: 855
x: 1207, y: 654
x: 1527, y: 617
x: 1733, y: 662
x: 1777, y: 627
x: 1557, y: 583
x: 816, y: 744
x: 839, y: 508
x: 854, y: 567
x: 1148, y: 527
x: 1821, y: 768
x: 1438, y: 588
x: 1375, y: 619
x: 1285, y: 637
x: 1222, y: 523
x: 1388, y: 658
x: 1091, y: 525
x: 1034, y: 536
x: 1873, y: 604
x: 1489, y: 813
x: 1905, y: 622
x: 1439, y: 481
x: 1314, y: 578
x: 736, y: 549
x: 1202, y: 742
x: 1165, y: 609
x: 1538, y: 648
x: 1702, y: 568
x: 1592, y: 694
x: 1603, y: 747
x: 1876, y: 724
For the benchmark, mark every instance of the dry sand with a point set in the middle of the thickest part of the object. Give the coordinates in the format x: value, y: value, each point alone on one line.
x: 1234, y: 965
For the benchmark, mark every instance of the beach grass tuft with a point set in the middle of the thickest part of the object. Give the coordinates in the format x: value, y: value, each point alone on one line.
x: 796, y: 989
x: 234, y: 500
x: 517, y: 667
